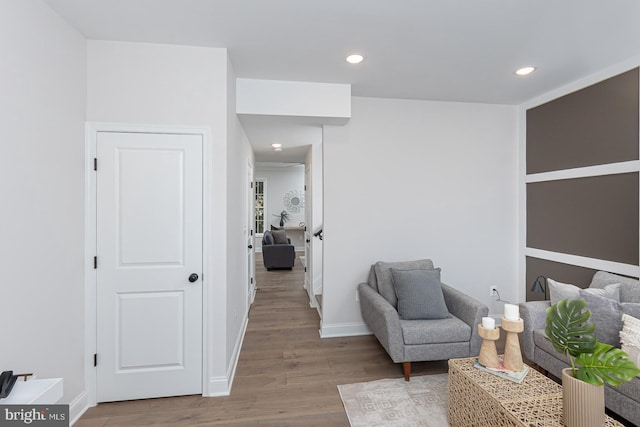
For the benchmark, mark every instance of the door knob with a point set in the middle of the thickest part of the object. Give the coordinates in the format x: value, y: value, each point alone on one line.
x: 193, y: 277
x: 250, y: 246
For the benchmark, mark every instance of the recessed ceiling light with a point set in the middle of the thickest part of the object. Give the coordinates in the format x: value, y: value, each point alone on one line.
x: 356, y: 58
x: 276, y: 145
x: 525, y: 70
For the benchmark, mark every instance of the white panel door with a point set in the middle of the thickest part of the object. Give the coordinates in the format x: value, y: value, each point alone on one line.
x: 149, y: 263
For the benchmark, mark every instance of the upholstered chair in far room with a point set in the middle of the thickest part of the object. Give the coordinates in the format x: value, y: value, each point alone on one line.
x: 416, y: 317
x: 277, y: 250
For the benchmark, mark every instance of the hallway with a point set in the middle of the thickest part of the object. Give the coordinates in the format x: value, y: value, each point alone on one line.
x: 286, y: 375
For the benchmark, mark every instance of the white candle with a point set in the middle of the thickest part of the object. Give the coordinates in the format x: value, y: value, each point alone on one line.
x: 511, y: 312
x: 488, y: 323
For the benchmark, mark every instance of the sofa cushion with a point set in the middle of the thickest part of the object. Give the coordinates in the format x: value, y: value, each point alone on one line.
x: 280, y: 237
x: 419, y: 294
x: 631, y: 308
x: 267, y: 238
x: 541, y: 341
x: 385, y: 281
x: 434, y: 331
x: 629, y: 287
x: 606, y: 314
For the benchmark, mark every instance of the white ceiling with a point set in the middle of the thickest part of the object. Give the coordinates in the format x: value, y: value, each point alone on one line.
x: 449, y: 50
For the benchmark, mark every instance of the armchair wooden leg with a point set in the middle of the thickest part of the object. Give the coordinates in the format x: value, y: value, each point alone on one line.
x: 406, y: 366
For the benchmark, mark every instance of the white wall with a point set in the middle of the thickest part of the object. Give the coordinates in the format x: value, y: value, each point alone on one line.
x: 239, y: 155
x: 42, y: 110
x: 415, y: 179
x: 281, y: 180
x: 175, y: 85
x: 298, y: 99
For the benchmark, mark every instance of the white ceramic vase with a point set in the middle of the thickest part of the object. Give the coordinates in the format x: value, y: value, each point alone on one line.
x: 582, y: 403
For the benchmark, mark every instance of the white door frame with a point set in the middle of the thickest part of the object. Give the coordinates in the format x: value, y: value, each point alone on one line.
x: 90, y: 229
x: 251, y: 235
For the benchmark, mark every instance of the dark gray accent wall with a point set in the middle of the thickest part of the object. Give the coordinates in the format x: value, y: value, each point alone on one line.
x: 593, y: 126
x: 596, y: 217
x: 560, y: 272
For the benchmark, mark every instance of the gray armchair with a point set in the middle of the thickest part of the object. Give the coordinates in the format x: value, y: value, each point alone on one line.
x: 409, y: 341
x: 277, y: 251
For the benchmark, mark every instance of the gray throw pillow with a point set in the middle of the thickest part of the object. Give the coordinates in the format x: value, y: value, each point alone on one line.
x: 385, y: 281
x: 279, y: 237
x: 559, y: 291
x: 610, y: 291
x: 606, y: 314
x: 419, y: 294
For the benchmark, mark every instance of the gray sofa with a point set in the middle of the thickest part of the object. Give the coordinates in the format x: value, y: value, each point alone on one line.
x: 624, y: 400
x: 277, y: 250
x: 409, y: 341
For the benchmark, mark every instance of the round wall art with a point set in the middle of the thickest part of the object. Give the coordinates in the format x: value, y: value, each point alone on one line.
x: 293, y: 201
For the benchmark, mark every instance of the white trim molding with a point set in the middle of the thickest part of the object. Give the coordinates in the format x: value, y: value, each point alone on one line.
x: 581, y: 261
x: 343, y: 330
x: 584, y: 172
x: 78, y: 407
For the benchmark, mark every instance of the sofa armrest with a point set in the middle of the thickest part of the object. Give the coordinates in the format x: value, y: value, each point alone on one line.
x: 467, y: 309
x: 534, y: 316
x: 383, y: 320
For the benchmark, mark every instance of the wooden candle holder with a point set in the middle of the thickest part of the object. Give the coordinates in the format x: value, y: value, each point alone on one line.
x: 488, y: 353
x: 512, y: 353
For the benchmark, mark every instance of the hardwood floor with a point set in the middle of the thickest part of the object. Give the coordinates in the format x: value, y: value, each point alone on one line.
x: 286, y: 375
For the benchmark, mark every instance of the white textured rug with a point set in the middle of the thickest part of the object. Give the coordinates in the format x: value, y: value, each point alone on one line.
x: 421, y: 402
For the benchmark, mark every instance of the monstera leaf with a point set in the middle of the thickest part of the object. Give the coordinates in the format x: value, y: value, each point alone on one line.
x: 570, y: 334
x: 567, y: 328
x: 606, y: 364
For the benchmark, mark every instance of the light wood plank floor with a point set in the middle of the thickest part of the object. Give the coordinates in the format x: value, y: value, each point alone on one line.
x: 286, y: 375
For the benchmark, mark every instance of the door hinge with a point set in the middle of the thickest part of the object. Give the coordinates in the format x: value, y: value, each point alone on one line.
x: 95, y: 359
x: 95, y: 262
x: 95, y: 164
x: 252, y: 232
x: 251, y: 184
x: 252, y: 280
x: 305, y: 187
x: 305, y: 269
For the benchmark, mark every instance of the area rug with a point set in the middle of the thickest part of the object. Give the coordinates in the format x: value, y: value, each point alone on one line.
x: 396, y: 402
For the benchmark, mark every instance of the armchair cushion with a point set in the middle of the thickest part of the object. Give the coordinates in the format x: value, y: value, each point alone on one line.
x: 419, y: 294
x: 434, y: 331
x: 385, y: 281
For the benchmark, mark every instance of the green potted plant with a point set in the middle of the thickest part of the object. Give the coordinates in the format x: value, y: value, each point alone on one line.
x: 284, y: 217
x: 570, y: 333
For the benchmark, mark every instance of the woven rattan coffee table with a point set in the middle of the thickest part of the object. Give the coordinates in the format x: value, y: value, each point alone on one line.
x: 477, y: 398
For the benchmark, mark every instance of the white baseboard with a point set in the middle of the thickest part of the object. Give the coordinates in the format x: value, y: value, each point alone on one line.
x: 221, y: 386
x: 218, y: 386
x: 343, y: 330
x: 78, y: 407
